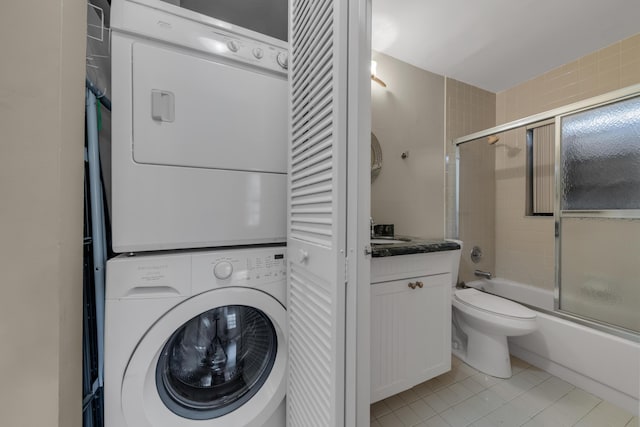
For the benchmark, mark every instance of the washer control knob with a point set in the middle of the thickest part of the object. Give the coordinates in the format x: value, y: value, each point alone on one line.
x: 283, y: 60
x: 233, y: 45
x: 258, y: 53
x: 223, y: 270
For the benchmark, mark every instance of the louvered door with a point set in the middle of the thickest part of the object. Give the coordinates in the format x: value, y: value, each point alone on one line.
x: 317, y: 213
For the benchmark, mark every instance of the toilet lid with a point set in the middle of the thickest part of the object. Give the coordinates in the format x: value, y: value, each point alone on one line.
x: 494, y: 304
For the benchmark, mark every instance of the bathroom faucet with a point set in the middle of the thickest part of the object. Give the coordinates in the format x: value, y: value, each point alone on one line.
x: 485, y: 274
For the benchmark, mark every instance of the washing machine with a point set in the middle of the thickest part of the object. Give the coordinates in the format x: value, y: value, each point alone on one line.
x: 199, y: 124
x: 196, y: 339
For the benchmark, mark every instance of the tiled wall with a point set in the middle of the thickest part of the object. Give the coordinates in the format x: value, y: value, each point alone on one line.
x: 408, y: 115
x: 611, y: 68
x: 470, y: 109
x: 525, y: 245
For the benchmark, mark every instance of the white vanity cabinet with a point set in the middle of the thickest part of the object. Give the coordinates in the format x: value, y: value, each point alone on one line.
x: 410, y: 321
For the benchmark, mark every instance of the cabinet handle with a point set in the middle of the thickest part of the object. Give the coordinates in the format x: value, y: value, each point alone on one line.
x: 419, y: 284
x: 412, y: 285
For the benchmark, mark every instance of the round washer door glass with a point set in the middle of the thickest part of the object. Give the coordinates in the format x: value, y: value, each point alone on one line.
x: 216, y: 362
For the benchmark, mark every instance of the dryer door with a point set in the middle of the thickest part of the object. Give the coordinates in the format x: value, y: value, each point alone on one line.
x: 219, y: 356
x: 190, y: 111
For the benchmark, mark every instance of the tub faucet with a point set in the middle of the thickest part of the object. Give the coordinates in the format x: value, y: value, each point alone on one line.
x: 485, y: 274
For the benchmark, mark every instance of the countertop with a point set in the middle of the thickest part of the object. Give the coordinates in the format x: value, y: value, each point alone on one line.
x: 414, y: 245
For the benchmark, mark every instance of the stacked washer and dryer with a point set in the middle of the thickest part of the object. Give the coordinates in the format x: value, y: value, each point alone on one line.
x: 195, y: 318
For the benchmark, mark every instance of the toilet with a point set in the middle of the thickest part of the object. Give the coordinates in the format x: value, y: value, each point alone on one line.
x: 481, y: 324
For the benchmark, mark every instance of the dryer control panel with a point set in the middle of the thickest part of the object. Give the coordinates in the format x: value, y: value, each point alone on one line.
x: 163, y: 22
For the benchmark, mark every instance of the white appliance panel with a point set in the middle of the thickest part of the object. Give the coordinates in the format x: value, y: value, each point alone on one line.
x: 140, y: 317
x: 185, y: 203
x: 171, y: 208
x: 158, y: 20
x: 224, y: 116
x: 264, y: 16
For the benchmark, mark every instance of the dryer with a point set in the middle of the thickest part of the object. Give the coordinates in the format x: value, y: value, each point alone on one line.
x: 196, y: 338
x: 199, y: 127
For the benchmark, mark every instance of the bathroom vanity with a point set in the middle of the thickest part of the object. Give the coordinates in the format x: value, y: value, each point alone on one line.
x: 410, y: 313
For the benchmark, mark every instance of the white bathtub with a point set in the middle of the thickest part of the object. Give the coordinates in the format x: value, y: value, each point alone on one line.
x: 602, y: 364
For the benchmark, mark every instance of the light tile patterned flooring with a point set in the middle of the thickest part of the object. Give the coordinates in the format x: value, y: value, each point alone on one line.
x: 465, y: 397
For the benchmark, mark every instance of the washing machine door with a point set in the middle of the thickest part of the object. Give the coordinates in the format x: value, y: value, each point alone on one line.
x: 217, y: 359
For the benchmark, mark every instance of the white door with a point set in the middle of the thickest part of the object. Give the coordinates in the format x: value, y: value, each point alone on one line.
x: 319, y: 212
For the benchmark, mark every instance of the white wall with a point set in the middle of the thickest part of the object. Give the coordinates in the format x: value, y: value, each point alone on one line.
x: 41, y: 190
x: 408, y: 115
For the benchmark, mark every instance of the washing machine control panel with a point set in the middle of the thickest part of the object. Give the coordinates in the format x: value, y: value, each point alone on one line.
x: 251, y: 268
x: 223, y: 270
x: 264, y: 269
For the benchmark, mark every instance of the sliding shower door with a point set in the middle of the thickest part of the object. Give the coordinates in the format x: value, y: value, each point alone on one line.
x: 598, y: 214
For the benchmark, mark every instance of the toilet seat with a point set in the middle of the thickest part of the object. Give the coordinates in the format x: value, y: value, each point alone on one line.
x: 493, y: 304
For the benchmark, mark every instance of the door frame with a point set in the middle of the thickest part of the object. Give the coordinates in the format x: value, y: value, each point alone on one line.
x: 358, y: 298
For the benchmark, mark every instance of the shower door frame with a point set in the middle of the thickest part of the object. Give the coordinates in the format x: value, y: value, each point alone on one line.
x: 557, y: 114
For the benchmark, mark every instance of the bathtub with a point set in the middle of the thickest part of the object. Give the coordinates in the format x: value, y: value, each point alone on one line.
x: 600, y: 363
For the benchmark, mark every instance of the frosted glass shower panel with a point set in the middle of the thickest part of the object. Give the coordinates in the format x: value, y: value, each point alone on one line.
x: 600, y: 157
x: 599, y: 274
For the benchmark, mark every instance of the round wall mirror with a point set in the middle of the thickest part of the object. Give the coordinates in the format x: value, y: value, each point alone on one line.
x: 376, y: 157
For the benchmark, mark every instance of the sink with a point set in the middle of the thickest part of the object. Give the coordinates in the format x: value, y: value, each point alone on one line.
x: 388, y: 241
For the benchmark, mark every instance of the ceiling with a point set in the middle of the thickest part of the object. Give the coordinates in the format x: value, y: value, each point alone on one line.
x: 497, y: 44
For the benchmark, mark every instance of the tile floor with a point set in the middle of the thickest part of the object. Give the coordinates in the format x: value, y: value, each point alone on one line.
x: 465, y: 397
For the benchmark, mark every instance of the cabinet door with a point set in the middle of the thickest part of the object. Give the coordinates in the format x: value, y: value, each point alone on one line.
x: 410, y: 333
x: 431, y: 328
